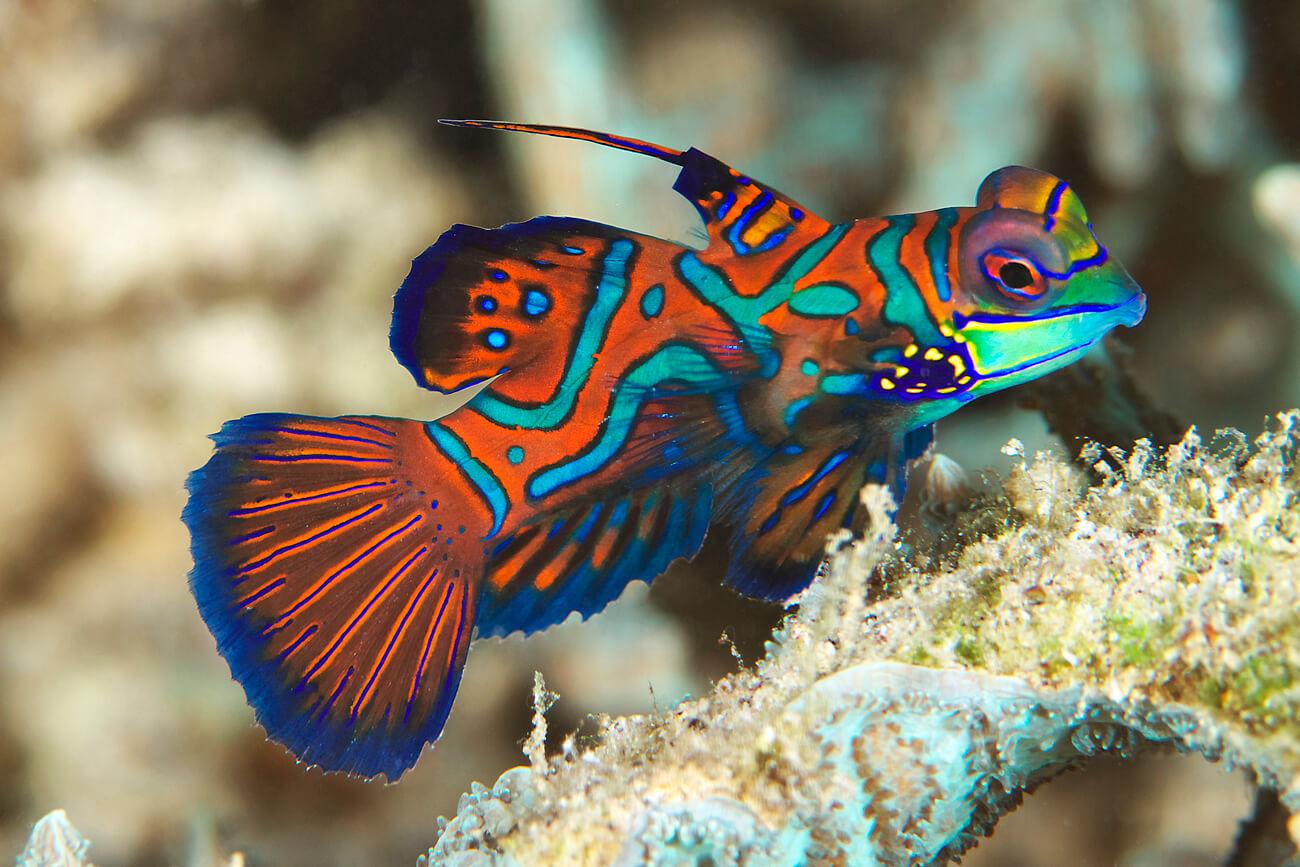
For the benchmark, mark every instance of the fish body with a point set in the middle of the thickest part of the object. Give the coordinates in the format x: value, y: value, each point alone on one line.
x: 638, y: 393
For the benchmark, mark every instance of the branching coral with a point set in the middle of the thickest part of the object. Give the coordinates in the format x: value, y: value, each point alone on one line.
x: 1158, y: 607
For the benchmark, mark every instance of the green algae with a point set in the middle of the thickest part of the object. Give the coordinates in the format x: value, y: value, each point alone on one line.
x: 1159, y: 605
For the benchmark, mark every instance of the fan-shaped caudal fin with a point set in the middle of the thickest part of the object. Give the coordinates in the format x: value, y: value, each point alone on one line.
x: 337, y: 562
x: 742, y: 216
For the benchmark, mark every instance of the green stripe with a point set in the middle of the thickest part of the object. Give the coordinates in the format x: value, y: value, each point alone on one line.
x: 936, y: 250
x: 903, y: 302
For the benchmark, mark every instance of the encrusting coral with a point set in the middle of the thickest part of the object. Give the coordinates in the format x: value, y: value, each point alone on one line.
x: 1160, y: 606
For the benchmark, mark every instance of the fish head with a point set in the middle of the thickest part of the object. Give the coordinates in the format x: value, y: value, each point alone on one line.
x: 1030, y: 289
x: 1035, y: 287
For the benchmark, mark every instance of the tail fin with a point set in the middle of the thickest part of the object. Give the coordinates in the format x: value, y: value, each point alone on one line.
x: 339, y: 570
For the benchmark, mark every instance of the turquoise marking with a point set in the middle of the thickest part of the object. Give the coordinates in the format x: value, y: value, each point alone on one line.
x: 745, y: 311
x: 809, y: 367
x: 844, y: 383
x: 536, y: 303
x: 792, y: 411
x: 497, y: 339
x: 652, y: 302
x: 478, y: 474
x: 609, y: 294
x: 515, y: 454
x: 824, y: 301
x: 672, y: 362
x: 936, y: 250
x: 903, y: 302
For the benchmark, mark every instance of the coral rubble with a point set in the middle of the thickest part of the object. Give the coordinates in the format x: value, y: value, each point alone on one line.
x: 1160, y: 607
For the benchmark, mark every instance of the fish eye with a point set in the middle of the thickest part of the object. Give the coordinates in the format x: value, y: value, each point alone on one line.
x: 1015, y: 276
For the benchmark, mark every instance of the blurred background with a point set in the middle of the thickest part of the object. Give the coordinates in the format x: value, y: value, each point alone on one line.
x: 206, y: 205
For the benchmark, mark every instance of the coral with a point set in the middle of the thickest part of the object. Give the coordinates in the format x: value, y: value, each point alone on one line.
x: 54, y: 842
x: 1157, y: 608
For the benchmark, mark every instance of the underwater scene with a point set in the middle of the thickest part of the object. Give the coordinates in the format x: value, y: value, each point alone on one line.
x: 530, y: 432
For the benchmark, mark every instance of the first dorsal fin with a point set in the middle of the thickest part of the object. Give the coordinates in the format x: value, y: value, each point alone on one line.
x: 742, y: 216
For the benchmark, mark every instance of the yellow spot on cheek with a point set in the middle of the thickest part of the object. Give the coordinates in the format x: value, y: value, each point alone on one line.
x: 916, y: 389
x: 963, y: 380
x: 933, y: 354
x: 911, y: 350
x: 900, y: 371
x: 945, y: 331
x: 947, y: 389
x: 958, y: 366
x: 886, y: 384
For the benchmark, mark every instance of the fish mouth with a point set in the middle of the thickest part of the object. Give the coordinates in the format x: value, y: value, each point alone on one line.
x: 1046, y: 359
x: 1132, y: 311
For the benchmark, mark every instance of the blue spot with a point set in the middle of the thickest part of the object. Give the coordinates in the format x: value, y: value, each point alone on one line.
x: 433, y: 504
x: 652, y: 302
x: 792, y: 449
x: 851, y: 327
x: 498, y: 275
x: 809, y: 367
x: 609, y: 295
x: 487, y: 304
x: 536, y: 302
x: 572, y: 251
x: 497, y: 339
x: 796, y: 214
x: 515, y: 455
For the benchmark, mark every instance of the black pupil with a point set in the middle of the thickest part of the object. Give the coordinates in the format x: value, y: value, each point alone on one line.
x: 1015, y: 275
